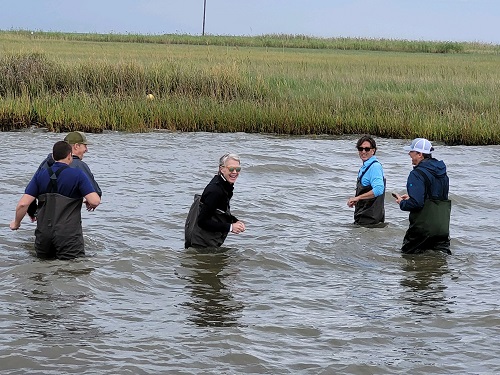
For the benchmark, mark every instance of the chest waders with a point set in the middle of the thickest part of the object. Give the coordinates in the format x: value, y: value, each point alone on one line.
x: 58, y: 231
x: 368, y: 212
x: 194, y: 236
x: 429, y: 227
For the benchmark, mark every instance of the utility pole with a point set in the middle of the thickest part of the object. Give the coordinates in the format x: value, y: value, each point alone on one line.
x: 204, y: 11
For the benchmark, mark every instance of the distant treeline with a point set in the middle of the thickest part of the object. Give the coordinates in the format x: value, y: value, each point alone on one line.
x: 274, y: 41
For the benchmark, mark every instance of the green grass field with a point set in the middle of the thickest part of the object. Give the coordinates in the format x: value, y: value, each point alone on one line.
x: 446, y: 92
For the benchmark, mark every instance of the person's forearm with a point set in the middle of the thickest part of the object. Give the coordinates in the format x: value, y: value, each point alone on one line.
x: 93, y: 200
x: 21, y: 209
x: 20, y: 213
x: 410, y: 204
x: 367, y: 195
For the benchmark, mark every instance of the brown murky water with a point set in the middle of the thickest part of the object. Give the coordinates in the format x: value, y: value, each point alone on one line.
x: 302, y: 291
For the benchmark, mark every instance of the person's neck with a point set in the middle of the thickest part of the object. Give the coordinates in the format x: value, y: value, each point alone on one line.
x: 367, y: 160
x: 224, y: 179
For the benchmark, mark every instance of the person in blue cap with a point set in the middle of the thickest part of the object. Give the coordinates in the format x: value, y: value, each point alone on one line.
x: 427, y: 201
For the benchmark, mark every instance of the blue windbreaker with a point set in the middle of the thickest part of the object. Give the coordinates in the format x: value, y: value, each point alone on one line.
x: 435, y: 170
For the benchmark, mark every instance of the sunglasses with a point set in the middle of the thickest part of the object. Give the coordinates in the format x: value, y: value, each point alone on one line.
x: 365, y: 149
x: 232, y: 169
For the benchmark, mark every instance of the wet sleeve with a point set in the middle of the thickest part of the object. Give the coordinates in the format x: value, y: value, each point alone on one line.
x: 416, y: 191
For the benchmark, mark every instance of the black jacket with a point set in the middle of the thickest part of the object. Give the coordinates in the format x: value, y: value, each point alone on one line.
x: 216, y: 196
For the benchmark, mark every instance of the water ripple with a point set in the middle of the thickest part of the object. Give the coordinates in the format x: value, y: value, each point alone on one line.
x: 301, y: 291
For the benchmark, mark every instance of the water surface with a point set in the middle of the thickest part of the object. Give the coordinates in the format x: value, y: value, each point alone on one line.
x: 302, y: 291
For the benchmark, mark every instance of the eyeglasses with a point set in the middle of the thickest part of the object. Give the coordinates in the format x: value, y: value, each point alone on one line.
x: 232, y: 169
x: 365, y: 149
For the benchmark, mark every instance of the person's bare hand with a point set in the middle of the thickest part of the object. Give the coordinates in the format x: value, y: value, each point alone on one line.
x: 238, y: 227
x: 400, y: 198
x: 89, y: 206
x: 352, y: 202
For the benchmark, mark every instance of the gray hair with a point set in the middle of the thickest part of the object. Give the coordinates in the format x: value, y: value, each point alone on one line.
x: 224, y: 158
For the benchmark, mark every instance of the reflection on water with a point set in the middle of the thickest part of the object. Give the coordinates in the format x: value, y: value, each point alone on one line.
x: 212, y: 302
x: 54, y: 304
x: 423, y: 282
x: 302, y: 291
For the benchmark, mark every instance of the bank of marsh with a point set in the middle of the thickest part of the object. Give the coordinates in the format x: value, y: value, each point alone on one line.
x: 65, y: 84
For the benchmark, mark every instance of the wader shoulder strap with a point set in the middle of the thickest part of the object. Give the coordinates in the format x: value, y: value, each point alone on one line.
x: 366, y: 170
x: 52, y: 186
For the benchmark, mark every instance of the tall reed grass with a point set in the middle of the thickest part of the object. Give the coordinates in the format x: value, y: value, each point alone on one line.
x: 67, y: 85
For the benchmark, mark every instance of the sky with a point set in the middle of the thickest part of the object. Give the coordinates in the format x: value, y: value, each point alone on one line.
x: 429, y: 20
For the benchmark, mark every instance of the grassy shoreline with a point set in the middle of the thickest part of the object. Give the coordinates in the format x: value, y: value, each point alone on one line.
x: 271, y: 41
x: 77, y: 82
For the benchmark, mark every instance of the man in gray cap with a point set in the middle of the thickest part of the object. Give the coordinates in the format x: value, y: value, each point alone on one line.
x: 427, y: 201
x: 78, y: 142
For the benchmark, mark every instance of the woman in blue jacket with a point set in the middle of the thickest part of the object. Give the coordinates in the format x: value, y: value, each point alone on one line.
x: 368, y: 201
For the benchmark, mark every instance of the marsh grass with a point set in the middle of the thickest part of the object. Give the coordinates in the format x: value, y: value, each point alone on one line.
x: 68, y: 84
x: 270, y: 40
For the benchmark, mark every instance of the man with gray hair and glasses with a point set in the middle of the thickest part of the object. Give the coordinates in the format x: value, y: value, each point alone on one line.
x: 209, y: 220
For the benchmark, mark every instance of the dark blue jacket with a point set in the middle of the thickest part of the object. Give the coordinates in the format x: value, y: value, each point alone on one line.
x: 435, y: 170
